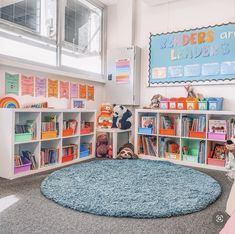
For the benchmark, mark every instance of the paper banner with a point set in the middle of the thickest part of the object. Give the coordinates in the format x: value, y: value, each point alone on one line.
x: 11, y: 83
x: 122, y: 71
x: 27, y: 85
x: 40, y: 87
x: 82, y: 91
x: 52, y: 88
x: 64, y: 89
x: 90, y: 93
x: 73, y: 90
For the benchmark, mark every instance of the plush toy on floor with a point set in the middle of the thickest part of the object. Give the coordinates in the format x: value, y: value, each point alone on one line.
x: 102, y: 145
x: 122, y: 117
x: 230, y: 163
x: 127, y: 152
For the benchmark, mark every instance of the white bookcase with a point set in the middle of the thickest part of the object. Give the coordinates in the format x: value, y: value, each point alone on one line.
x: 8, y: 147
x: 214, y: 115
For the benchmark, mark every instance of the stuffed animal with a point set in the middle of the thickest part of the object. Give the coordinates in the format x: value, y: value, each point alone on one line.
x: 105, y: 119
x: 191, y: 93
x: 102, y: 145
x: 122, y: 117
x: 127, y: 152
x: 155, y: 102
x: 230, y: 162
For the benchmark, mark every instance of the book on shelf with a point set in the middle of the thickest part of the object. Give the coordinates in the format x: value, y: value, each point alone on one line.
x: 218, y: 126
x: 219, y: 151
x: 29, y: 127
x: 148, y: 122
x: 26, y: 157
x: 148, y: 145
x: 50, y: 124
x: 201, y: 152
x: 168, y: 145
x: 70, y: 124
x: 189, y: 123
x: 49, y: 156
x: 88, y: 146
x: 170, y: 122
x: 70, y: 150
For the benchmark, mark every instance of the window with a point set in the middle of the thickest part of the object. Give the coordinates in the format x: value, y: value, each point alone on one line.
x: 28, y: 30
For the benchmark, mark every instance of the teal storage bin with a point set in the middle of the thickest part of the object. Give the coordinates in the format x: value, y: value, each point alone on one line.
x: 192, y: 156
x: 203, y: 104
x: 215, y: 103
x: 20, y: 137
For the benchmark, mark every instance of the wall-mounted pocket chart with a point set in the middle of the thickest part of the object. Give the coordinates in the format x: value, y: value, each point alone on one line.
x: 195, y: 55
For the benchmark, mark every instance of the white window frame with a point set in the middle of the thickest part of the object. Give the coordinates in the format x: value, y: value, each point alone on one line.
x: 25, y: 35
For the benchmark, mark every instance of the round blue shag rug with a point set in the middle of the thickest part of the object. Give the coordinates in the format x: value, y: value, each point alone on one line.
x: 131, y: 188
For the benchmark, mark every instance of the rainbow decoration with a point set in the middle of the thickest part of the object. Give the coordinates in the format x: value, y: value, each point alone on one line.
x: 9, y: 102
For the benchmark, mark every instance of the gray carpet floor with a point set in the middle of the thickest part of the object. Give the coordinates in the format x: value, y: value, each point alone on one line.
x: 33, y: 213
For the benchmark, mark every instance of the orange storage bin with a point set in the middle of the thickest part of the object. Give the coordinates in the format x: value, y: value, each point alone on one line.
x: 173, y: 103
x: 68, y: 132
x: 85, y: 130
x: 49, y: 134
x: 67, y: 158
x: 181, y: 103
x: 197, y: 134
x: 167, y: 132
x: 192, y: 103
x: 172, y: 156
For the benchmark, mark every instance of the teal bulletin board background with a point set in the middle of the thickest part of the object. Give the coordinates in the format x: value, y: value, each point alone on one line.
x: 195, y: 55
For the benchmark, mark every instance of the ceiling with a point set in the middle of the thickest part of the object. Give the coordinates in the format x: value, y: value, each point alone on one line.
x: 148, y: 2
x: 109, y: 2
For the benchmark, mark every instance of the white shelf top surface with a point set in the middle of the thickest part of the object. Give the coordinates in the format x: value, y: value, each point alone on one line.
x: 46, y: 110
x: 113, y: 130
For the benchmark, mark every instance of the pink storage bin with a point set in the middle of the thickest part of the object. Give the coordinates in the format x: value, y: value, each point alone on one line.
x: 216, y: 162
x: 164, y: 104
x: 217, y: 136
x: 22, y: 168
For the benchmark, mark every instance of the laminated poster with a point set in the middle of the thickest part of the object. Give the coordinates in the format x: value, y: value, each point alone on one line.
x: 90, y: 92
x: 11, y: 83
x: 27, y: 85
x: 40, y: 87
x: 123, y: 71
x: 73, y: 90
x: 82, y: 91
x: 64, y: 89
x: 53, y: 88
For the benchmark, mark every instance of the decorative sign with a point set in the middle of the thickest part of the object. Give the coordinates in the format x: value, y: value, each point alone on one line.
x: 27, y: 85
x: 64, y: 89
x: 205, y: 54
x: 73, y: 90
x: 90, y: 93
x: 53, y: 88
x: 11, y: 83
x: 122, y: 71
x: 40, y: 87
x: 82, y: 91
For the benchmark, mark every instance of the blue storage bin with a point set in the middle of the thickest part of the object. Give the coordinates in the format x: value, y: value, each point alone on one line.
x: 215, y: 103
x: 145, y: 130
x: 84, y: 152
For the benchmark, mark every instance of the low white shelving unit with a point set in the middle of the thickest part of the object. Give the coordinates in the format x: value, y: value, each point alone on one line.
x: 156, y: 136
x: 9, y: 147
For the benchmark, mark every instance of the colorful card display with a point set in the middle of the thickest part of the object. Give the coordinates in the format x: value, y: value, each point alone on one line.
x: 11, y: 83
x: 90, y: 92
x: 40, y: 87
x: 73, y: 90
x: 52, y: 88
x: 27, y: 85
x: 64, y: 89
x: 82, y: 91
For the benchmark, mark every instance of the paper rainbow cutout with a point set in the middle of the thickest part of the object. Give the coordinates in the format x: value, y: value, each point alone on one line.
x: 9, y: 102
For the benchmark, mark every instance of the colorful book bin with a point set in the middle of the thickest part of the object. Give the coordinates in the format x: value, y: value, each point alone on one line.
x: 164, y: 104
x: 181, y: 103
x: 192, y: 103
x: 173, y: 103
x: 203, y: 104
x: 215, y: 103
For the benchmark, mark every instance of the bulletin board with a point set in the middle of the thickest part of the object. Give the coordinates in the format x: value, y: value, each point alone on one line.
x: 193, y: 56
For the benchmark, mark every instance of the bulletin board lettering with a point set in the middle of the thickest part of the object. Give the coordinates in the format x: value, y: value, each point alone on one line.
x: 195, y: 55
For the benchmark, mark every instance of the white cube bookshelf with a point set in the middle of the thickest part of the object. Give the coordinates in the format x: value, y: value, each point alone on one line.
x: 216, y: 115
x: 8, y: 147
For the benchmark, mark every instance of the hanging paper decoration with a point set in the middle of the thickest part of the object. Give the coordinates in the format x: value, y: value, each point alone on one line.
x: 9, y: 102
x: 27, y: 85
x: 73, y: 90
x: 11, y: 83
x: 64, y: 89
x: 82, y: 91
x: 90, y: 92
x: 52, y: 88
x: 40, y: 87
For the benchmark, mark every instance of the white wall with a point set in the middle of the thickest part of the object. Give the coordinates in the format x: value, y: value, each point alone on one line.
x: 53, y: 102
x: 183, y: 14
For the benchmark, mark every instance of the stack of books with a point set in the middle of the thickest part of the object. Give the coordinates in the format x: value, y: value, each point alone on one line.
x: 170, y: 122
x: 50, y: 124
x: 70, y: 150
x: 29, y: 127
x: 193, y: 124
x: 70, y: 124
x: 168, y: 145
x: 49, y: 156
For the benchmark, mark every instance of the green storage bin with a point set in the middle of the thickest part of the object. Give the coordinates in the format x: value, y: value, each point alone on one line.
x: 20, y: 137
x: 192, y: 156
x: 203, y: 104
